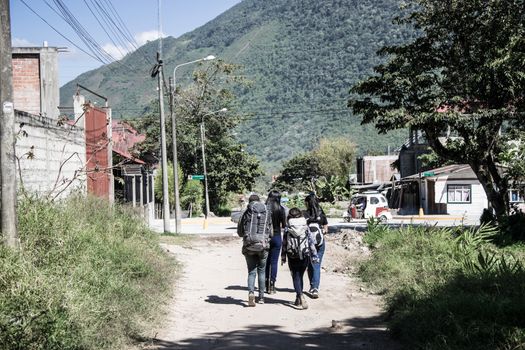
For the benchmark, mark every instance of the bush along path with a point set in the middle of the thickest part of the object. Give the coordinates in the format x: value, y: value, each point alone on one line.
x: 210, y: 310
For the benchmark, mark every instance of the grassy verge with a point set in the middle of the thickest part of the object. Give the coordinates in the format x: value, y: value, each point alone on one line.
x: 89, y: 276
x: 448, y: 289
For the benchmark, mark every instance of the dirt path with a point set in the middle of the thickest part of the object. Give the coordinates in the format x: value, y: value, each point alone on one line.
x: 209, y: 309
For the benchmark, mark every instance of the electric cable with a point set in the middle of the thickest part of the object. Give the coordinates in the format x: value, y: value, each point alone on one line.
x: 62, y: 35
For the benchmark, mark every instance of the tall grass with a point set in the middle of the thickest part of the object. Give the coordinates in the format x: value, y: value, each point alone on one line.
x: 89, y: 276
x: 448, y: 288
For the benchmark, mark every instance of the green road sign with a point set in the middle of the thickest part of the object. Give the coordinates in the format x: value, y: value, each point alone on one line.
x: 428, y: 173
x: 195, y: 177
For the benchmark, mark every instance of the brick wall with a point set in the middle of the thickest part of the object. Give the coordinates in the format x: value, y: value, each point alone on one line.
x: 26, y: 82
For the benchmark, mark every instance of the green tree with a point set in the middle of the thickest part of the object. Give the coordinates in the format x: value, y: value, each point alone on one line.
x: 192, y: 195
x: 298, y: 174
x: 336, y: 156
x: 461, y: 82
x: 324, y: 170
x: 229, y: 167
x: 171, y: 191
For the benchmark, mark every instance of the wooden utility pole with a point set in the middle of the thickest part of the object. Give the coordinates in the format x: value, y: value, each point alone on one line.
x: 7, y: 133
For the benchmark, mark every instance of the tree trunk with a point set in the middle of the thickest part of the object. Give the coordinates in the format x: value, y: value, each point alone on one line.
x: 494, y: 185
x: 485, y: 168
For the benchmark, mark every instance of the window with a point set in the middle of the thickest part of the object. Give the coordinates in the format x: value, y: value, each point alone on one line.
x: 459, y: 194
x: 374, y: 200
x: 515, y: 196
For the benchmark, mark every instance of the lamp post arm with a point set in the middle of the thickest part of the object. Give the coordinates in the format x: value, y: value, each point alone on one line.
x: 181, y: 65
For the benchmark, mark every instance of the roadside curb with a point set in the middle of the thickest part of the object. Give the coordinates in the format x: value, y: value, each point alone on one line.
x: 428, y: 217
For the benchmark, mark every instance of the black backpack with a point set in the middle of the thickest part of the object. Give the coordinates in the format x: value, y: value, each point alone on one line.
x: 257, y: 227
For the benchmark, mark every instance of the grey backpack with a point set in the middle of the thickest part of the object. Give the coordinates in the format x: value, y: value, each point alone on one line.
x: 297, y: 232
x: 257, y: 227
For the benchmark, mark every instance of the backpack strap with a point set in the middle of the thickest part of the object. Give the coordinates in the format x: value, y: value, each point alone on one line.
x: 251, y: 222
x: 265, y: 220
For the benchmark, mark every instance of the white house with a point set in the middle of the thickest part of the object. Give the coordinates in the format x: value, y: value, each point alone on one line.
x: 452, y: 190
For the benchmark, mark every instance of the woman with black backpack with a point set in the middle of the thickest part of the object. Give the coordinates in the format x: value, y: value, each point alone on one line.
x: 278, y: 224
x: 316, y: 219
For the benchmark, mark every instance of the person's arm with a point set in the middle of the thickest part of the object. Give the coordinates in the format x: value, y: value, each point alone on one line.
x: 324, y: 222
x: 283, y: 218
x: 240, y: 225
x: 284, y: 246
x: 311, y: 245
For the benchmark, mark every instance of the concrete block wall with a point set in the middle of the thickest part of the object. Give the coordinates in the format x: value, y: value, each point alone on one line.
x: 58, y: 159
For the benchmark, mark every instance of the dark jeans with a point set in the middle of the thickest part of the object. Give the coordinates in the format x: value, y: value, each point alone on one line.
x: 297, y: 268
x: 273, y: 256
x: 256, y: 263
x: 314, y: 269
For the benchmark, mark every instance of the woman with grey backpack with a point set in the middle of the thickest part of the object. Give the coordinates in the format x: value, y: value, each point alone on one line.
x: 299, y: 249
x: 255, y: 227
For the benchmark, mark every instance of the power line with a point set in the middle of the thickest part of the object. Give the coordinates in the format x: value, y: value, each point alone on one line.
x: 97, y: 52
x: 82, y: 33
x: 59, y: 33
x: 115, y: 24
x: 103, y: 28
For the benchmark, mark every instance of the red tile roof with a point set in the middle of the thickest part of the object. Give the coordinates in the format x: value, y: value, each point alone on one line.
x: 124, y: 138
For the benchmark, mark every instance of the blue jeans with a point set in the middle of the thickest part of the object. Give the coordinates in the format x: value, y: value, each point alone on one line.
x: 314, y: 269
x: 297, y: 269
x: 256, y: 262
x: 273, y: 256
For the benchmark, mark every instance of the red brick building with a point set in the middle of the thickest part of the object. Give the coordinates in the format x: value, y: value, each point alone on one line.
x: 35, y: 80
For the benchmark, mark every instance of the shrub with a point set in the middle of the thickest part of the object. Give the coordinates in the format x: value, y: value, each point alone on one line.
x: 224, y: 210
x: 449, y: 288
x: 192, y: 194
x: 512, y: 226
x: 89, y: 276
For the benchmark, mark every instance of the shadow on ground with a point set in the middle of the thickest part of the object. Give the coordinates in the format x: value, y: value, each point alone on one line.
x: 355, y: 333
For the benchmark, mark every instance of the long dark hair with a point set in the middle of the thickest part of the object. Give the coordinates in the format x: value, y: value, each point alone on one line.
x: 274, y: 203
x: 313, y: 208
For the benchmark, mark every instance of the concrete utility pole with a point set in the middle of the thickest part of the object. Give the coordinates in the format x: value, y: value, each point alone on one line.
x: 7, y: 133
x: 164, y: 158
x: 173, y: 88
x: 178, y: 221
x: 203, y: 140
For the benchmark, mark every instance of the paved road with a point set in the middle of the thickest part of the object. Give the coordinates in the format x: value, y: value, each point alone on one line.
x: 216, y: 226
x: 224, y: 226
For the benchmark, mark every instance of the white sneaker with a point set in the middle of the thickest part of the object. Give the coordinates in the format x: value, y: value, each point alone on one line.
x: 251, y: 299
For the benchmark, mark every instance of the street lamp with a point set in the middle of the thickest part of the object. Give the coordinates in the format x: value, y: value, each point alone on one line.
x: 174, y: 138
x: 205, y: 225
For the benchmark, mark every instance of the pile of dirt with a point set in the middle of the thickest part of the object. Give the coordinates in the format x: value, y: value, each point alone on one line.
x: 347, y: 251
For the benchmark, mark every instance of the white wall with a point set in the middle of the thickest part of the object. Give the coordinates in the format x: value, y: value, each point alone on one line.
x: 59, y: 154
x: 471, y: 210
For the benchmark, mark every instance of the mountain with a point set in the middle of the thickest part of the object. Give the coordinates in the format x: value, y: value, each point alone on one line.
x: 302, y: 57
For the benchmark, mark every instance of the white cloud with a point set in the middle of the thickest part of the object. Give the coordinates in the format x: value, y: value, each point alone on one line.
x: 144, y: 37
x: 117, y: 52
x: 20, y: 42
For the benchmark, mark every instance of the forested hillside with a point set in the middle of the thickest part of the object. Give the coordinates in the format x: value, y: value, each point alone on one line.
x: 302, y: 56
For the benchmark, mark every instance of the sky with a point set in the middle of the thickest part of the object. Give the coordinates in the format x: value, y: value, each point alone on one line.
x: 141, y: 18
